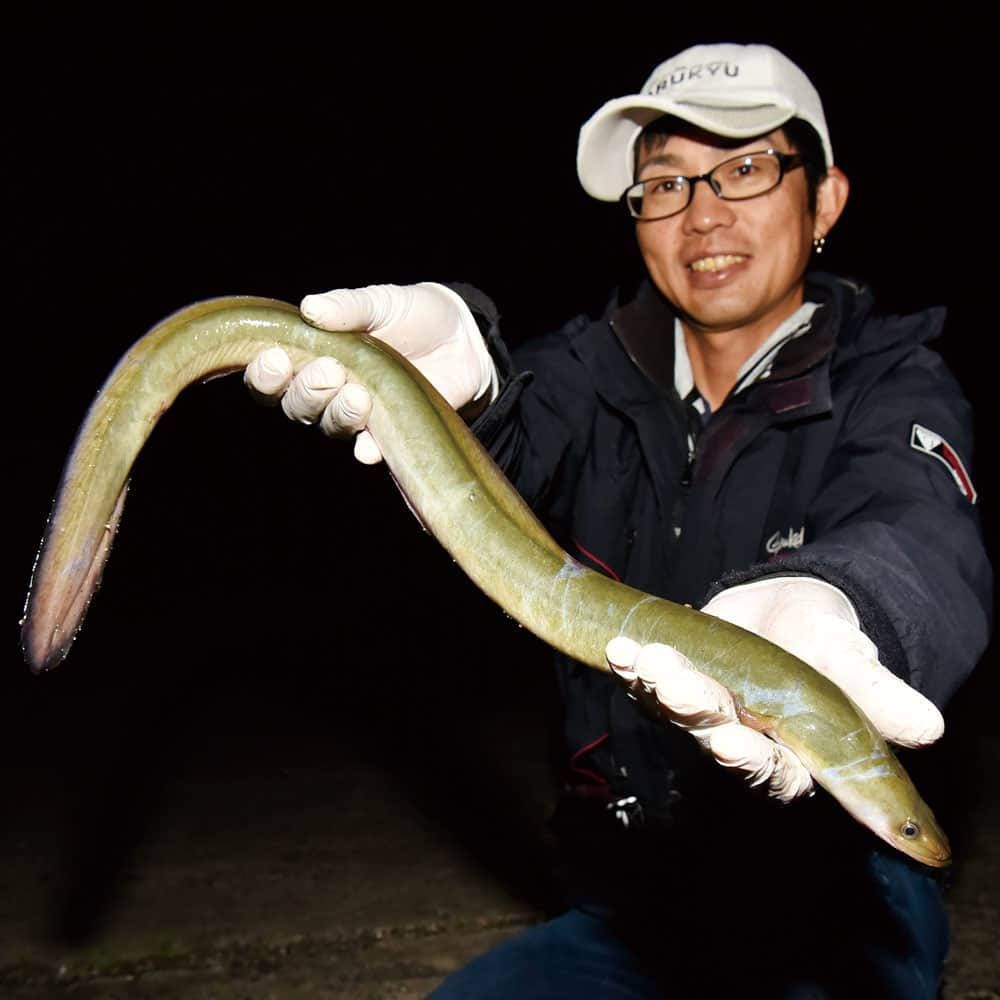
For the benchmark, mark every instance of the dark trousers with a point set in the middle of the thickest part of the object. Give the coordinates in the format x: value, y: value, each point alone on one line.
x: 750, y: 942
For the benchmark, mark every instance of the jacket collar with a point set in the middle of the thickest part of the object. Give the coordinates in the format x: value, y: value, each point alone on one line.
x: 636, y: 365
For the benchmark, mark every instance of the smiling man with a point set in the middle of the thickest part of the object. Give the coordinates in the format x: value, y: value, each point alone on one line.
x: 730, y: 254
x: 752, y: 437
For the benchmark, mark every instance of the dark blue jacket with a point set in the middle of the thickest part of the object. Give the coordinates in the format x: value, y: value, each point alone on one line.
x: 846, y: 462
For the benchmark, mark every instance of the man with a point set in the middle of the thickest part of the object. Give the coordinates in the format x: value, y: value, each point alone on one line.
x: 748, y: 438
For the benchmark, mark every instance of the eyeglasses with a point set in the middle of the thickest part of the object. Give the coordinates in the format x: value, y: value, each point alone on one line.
x: 742, y: 177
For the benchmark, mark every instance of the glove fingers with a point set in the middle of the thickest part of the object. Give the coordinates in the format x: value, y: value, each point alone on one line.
x: 818, y: 625
x: 763, y: 761
x: 850, y: 659
x: 705, y: 708
x: 312, y: 389
x: 362, y: 309
x: 900, y: 712
x: 268, y: 374
x: 347, y: 412
x: 691, y: 699
x: 621, y: 653
x: 366, y: 450
x: 687, y: 697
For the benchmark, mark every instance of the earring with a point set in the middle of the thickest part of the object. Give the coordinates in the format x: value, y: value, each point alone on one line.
x: 818, y: 243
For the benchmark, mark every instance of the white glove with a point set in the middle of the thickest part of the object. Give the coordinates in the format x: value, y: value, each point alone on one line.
x: 427, y: 323
x: 811, y: 619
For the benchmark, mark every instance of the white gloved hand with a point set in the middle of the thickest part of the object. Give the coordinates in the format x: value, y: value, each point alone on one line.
x: 811, y: 619
x: 427, y: 323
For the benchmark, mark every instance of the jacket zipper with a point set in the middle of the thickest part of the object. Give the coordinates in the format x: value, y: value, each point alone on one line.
x: 687, y: 474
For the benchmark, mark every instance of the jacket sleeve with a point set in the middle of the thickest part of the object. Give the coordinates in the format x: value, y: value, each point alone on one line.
x: 896, y: 527
x: 538, y: 427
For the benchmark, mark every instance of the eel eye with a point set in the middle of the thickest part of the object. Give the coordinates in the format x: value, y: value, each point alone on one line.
x: 910, y: 830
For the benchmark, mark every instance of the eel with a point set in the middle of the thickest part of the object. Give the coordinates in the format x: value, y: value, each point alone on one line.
x: 463, y: 499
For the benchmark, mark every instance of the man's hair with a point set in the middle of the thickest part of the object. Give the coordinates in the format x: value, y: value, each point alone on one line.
x: 802, y: 137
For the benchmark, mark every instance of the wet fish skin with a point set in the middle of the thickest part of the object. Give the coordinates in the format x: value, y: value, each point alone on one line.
x: 465, y: 502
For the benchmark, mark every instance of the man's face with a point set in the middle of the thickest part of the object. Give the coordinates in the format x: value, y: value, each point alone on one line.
x: 728, y: 264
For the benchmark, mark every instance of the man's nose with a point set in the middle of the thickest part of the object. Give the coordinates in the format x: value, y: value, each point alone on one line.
x: 706, y: 210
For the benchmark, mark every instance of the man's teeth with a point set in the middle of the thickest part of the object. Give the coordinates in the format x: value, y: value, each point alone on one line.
x: 716, y: 263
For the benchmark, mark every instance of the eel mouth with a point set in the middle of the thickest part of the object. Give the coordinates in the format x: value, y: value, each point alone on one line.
x: 930, y: 848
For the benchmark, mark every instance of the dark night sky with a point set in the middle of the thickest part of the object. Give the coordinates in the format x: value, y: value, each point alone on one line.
x: 281, y: 157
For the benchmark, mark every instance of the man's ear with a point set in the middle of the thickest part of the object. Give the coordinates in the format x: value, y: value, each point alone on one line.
x: 831, y: 197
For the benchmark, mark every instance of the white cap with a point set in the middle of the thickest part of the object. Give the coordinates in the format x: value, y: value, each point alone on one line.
x: 736, y: 91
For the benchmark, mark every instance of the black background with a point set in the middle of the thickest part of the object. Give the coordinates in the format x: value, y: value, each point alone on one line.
x: 259, y: 572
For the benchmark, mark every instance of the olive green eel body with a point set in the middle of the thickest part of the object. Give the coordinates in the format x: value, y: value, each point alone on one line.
x: 463, y: 499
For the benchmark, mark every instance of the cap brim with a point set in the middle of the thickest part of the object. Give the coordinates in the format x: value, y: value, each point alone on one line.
x: 604, y: 153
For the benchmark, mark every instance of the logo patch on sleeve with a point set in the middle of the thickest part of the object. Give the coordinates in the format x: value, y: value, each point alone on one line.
x: 934, y: 445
